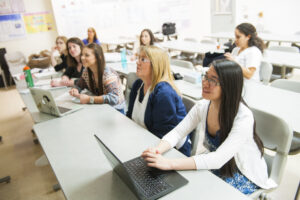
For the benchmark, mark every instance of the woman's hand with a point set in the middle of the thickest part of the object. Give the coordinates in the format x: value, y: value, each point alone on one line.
x: 84, y: 99
x: 55, y: 83
x: 74, y: 92
x: 157, y: 160
x: 229, y: 56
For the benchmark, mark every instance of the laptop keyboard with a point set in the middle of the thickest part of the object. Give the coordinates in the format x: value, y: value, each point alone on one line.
x: 63, y: 109
x: 150, y: 180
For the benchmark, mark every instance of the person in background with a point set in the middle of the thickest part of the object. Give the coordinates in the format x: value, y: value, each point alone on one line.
x: 100, y: 80
x: 146, y: 39
x: 75, y: 67
x: 92, y: 37
x: 155, y: 101
x: 248, y: 51
x: 61, y: 47
x: 229, y: 145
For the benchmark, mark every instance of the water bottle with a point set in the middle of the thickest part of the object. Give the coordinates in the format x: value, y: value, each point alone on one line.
x: 123, y: 59
x: 28, y: 77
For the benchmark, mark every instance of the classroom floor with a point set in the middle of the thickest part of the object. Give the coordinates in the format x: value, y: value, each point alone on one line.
x: 18, y: 154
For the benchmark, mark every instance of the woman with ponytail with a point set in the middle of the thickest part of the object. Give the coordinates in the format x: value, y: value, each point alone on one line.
x: 228, y: 144
x: 248, y: 51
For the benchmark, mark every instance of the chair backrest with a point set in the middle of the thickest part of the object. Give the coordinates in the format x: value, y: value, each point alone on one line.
x: 276, y: 135
x: 182, y: 63
x: 265, y: 72
x: 131, y: 78
x: 284, y: 48
x: 15, y: 61
x: 210, y: 42
x: 189, y: 103
x: 285, y: 84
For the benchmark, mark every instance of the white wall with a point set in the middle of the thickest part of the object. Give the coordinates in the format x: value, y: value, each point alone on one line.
x: 33, y: 43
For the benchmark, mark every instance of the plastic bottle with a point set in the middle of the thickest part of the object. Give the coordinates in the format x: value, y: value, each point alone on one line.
x: 123, y: 59
x: 28, y: 77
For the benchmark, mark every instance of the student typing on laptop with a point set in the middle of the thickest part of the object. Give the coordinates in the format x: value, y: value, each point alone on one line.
x: 229, y: 145
x: 99, y: 79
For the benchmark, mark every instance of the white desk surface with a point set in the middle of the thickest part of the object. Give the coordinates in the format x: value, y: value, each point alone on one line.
x: 285, y: 59
x: 264, y: 36
x: 117, y: 41
x: 84, y: 172
x: 191, y: 47
x: 279, y: 102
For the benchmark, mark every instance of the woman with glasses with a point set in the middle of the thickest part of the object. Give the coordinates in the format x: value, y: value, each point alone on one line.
x: 102, y: 81
x: 92, y: 37
x: 155, y: 102
x: 248, y: 51
x: 61, y: 47
x: 228, y: 145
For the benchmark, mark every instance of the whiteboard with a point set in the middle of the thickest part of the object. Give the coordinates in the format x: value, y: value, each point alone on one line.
x: 113, y: 18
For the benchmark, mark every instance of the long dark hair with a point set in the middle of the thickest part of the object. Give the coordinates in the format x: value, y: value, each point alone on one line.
x: 249, y: 30
x: 152, y: 38
x: 71, y: 61
x: 98, y: 52
x: 231, y: 81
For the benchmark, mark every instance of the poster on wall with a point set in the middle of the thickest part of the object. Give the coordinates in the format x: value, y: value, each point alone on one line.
x: 11, y: 27
x: 11, y: 6
x: 38, y: 22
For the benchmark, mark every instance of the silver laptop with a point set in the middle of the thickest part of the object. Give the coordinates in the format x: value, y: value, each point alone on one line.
x: 46, y: 103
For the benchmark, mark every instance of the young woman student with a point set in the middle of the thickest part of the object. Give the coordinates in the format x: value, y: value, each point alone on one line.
x: 99, y: 79
x: 61, y: 47
x: 92, y: 37
x: 155, y: 102
x: 230, y: 147
x: 248, y: 51
x: 75, y: 68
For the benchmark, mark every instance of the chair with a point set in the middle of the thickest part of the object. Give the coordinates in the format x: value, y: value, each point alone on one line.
x: 279, y: 70
x: 189, y: 103
x: 285, y: 84
x: 185, y: 55
x: 6, y: 178
x: 15, y: 61
x: 182, y: 63
x: 276, y: 135
x: 131, y: 78
x: 3, y: 77
x: 265, y: 72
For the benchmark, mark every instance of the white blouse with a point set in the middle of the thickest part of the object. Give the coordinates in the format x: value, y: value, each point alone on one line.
x: 249, y: 57
x: 239, y: 144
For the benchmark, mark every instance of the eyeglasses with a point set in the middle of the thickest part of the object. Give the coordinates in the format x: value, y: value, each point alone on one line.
x: 143, y: 60
x: 211, y: 82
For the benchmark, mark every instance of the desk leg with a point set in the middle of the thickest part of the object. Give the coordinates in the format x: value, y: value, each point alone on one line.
x: 56, y: 187
x: 283, y: 69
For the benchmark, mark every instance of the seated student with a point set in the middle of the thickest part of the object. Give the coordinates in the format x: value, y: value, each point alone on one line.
x: 146, y: 39
x: 248, y: 51
x: 92, y: 37
x: 154, y: 99
x: 75, y: 68
x: 61, y: 47
x: 99, y: 79
x: 230, y: 146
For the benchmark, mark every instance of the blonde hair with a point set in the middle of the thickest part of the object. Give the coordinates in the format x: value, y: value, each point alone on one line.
x: 64, y: 39
x: 160, y: 62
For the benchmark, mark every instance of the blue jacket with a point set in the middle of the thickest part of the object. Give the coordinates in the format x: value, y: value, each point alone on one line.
x: 86, y: 42
x: 164, y: 110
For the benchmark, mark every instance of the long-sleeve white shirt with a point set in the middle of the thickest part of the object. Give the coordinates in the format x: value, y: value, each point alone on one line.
x: 239, y: 144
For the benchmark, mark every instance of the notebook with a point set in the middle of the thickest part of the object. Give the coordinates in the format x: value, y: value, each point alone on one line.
x: 145, y: 182
x: 46, y: 103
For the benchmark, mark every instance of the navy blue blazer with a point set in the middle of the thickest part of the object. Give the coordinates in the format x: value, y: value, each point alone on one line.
x: 164, y: 110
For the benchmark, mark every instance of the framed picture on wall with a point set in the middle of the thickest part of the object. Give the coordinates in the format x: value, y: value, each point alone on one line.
x: 223, y: 7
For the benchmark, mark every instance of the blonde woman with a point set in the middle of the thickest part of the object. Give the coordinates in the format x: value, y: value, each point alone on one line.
x: 61, y: 47
x: 155, y: 102
x: 92, y: 37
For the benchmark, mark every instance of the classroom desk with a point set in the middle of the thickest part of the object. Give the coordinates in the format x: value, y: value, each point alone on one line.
x: 191, y: 47
x: 282, y: 103
x: 292, y: 38
x: 282, y: 59
x: 117, y: 41
x: 84, y: 172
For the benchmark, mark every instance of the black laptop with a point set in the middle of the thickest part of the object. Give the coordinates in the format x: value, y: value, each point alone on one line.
x: 145, y: 182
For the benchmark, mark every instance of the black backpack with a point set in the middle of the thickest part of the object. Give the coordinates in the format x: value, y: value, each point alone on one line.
x: 168, y: 28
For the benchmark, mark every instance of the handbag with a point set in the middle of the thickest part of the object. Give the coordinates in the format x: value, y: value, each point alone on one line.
x: 168, y: 28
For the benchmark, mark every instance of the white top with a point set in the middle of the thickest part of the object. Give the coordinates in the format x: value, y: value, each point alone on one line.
x: 239, y: 144
x: 249, y: 57
x: 139, y: 108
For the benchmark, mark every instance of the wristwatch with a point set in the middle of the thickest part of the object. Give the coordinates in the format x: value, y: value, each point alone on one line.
x: 92, y: 100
